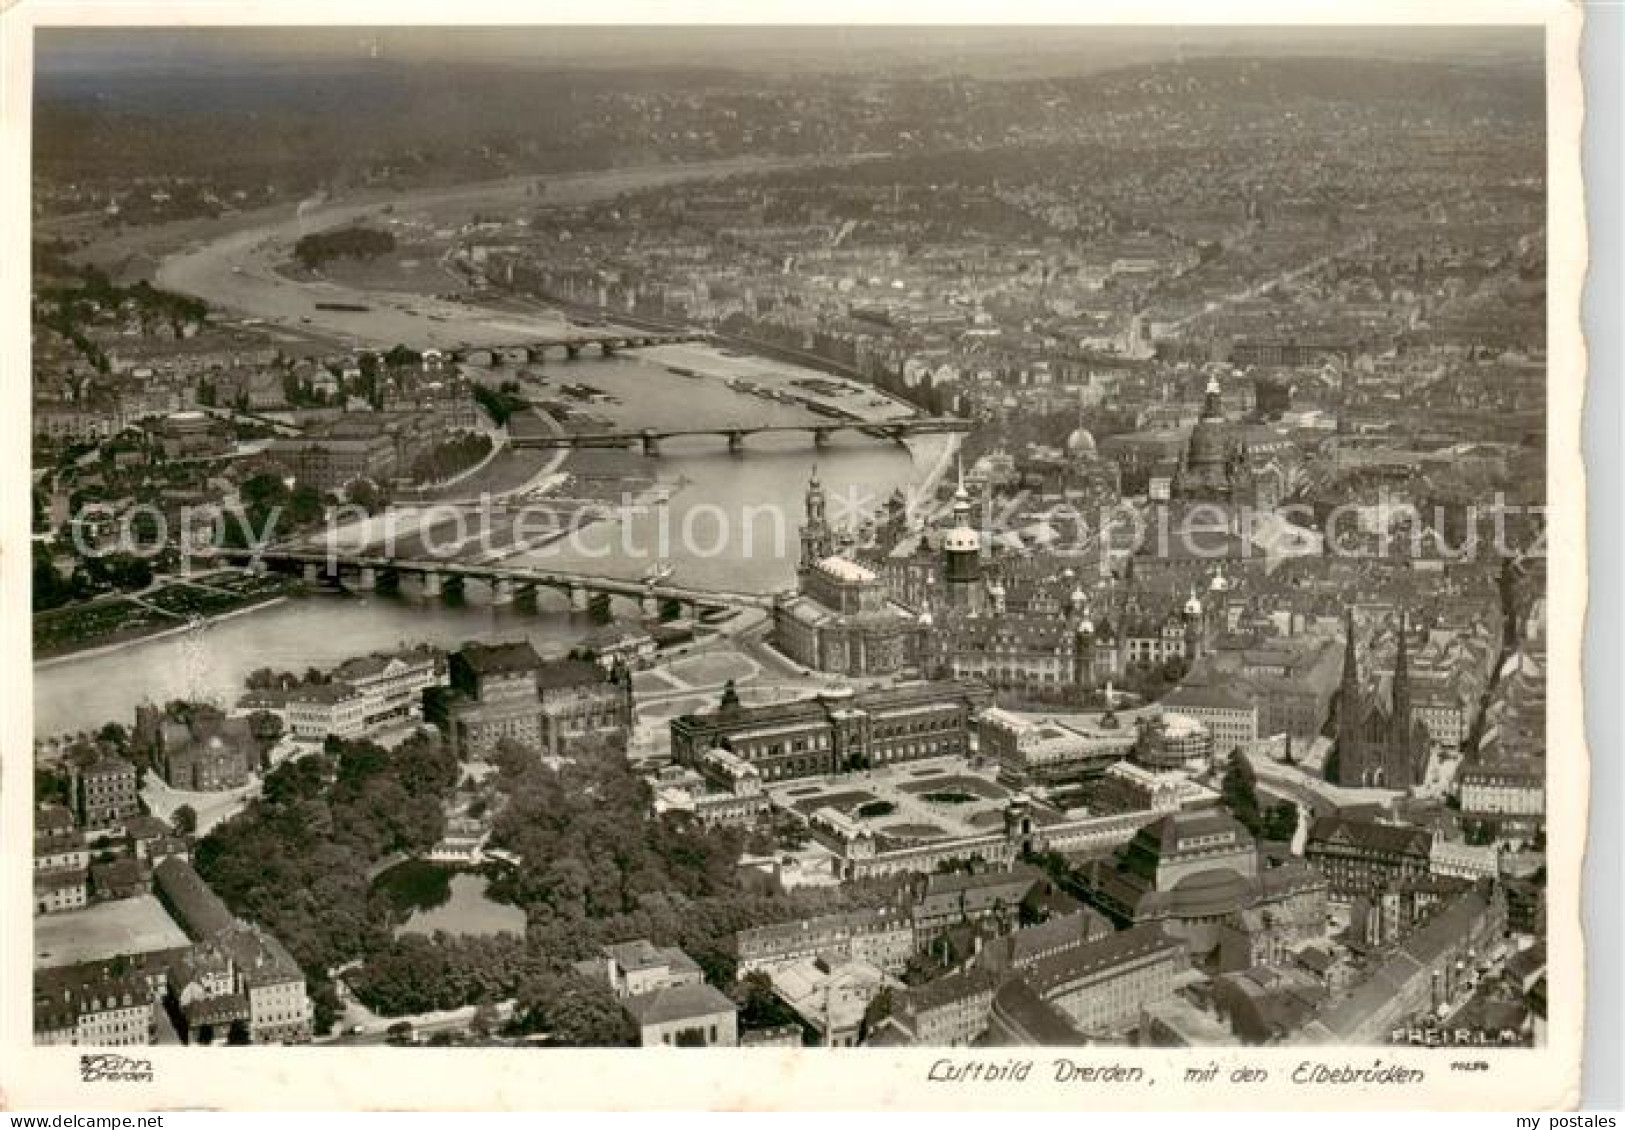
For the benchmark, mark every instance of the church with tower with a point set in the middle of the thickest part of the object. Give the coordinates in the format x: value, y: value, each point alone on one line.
x: 1379, y: 744
x: 841, y: 617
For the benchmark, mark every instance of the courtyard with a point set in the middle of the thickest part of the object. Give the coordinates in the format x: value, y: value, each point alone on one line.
x: 912, y: 803
x: 124, y: 926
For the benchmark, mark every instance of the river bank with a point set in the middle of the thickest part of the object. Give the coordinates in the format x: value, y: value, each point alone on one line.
x: 144, y: 629
x: 721, y: 520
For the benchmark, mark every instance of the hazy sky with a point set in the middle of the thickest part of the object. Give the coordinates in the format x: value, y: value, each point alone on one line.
x: 61, y: 51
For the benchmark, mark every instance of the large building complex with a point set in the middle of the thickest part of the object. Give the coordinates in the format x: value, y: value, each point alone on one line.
x: 506, y: 692
x: 831, y: 734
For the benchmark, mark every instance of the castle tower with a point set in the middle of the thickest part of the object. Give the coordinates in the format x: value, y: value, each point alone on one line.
x: 962, y: 553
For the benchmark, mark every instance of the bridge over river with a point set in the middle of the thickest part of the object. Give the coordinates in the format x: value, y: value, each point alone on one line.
x: 608, y: 341
x: 505, y: 581
x: 649, y: 438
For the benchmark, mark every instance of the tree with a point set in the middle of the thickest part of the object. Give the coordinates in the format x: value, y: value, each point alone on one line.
x: 304, y: 505
x: 1281, y: 822
x: 51, y: 786
x: 1239, y: 792
x: 265, y: 727
x: 575, y: 1011
x: 325, y: 1006
x: 366, y: 494
x: 879, y: 1007
x: 238, y: 1034
x: 185, y: 820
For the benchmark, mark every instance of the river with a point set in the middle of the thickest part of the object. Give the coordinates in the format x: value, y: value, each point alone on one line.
x: 80, y: 693
x: 731, y: 522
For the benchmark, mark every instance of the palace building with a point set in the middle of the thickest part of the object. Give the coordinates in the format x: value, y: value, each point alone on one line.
x: 832, y: 734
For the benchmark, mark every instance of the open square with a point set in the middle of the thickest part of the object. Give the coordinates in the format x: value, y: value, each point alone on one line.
x: 126, y: 926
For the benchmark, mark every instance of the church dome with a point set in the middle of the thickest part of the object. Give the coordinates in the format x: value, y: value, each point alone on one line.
x: 1220, y: 583
x: 1193, y: 606
x: 1081, y: 444
x: 1208, y: 444
x: 962, y: 539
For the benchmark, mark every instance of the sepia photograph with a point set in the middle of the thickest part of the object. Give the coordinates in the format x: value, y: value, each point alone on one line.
x: 939, y: 541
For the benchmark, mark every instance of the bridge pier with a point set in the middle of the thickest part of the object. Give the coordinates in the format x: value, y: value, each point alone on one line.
x: 313, y: 573
x: 649, y: 606
x: 572, y: 351
x: 579, y: 600
x: 501, y: 591
x: 821, y: 437
x: 258, y: 567
x: 606, y: 348
x: 651, y: 443
x: 433, y: 586
x: 736, y: 443
x: 367, y: 579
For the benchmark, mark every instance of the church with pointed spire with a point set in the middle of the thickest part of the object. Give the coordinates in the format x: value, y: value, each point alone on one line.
x: 1379, y: 744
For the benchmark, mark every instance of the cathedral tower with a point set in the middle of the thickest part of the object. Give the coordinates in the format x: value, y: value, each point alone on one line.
x: 817, y: 542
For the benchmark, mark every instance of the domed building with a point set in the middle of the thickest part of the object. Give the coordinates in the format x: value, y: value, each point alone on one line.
x: 1174, y: 741
x: 1100, y: 480
x: 1216, y: 467
x: 1080, y: 445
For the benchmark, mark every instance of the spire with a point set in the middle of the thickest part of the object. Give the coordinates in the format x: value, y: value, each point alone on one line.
x: 961, y: 496
x: 1213, y: 400
x: 1351, y: 676
x: 1402, y: 683
x: 1349, y: 695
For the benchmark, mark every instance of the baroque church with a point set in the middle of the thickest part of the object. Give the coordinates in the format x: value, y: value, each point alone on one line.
x: 1217, y: 467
